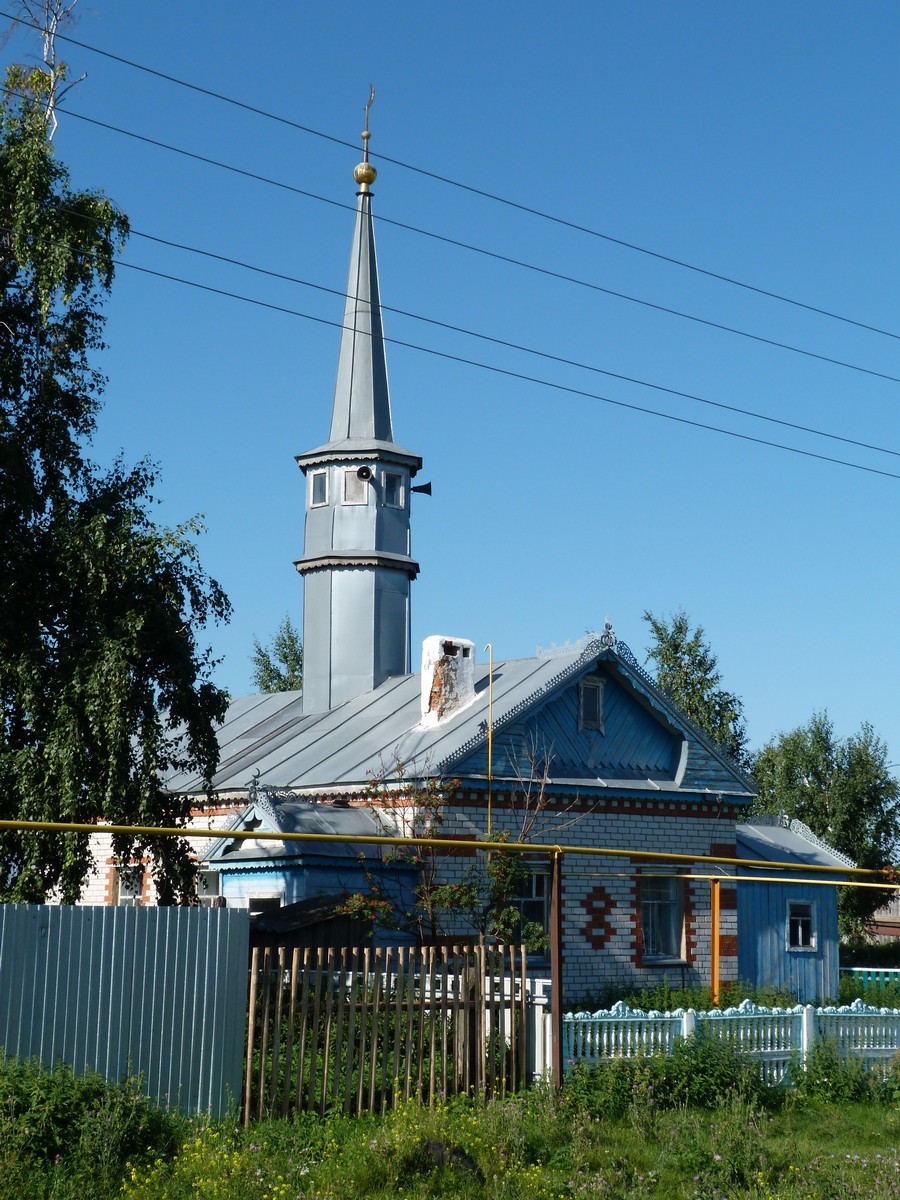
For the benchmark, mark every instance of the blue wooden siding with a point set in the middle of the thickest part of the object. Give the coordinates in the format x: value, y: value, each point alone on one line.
x: 634, y: 744
x: 764, y: 958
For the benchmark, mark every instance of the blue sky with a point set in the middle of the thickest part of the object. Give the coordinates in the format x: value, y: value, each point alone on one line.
x: 755, y: 141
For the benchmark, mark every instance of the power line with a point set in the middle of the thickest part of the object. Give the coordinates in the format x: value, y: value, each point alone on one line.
x: 466, y: 187
x: 534, y: 351
x: 492, y: 254
x: 521, y: 376
x: 546, y: 355
x: 496, y: 341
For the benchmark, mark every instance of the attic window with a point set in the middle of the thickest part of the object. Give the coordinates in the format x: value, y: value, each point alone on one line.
x: 590, y: 705
x: 319, y: 488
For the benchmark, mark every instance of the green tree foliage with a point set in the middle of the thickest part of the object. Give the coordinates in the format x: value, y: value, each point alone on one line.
x: 104, y: 689
x: 687, y: 671
x: 844, y: 791
x: 278, y: 667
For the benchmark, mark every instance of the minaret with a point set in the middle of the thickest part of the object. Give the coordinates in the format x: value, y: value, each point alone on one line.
x: 356, y: 566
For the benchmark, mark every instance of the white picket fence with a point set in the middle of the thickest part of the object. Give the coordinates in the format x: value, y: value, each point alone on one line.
x: 772, y: 1036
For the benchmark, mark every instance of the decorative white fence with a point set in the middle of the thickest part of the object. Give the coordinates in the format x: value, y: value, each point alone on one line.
x: 772, y: 1036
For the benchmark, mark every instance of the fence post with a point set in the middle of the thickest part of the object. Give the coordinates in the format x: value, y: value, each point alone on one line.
x: 555, y: 931
x: 807, y: 1032
x: 688, y: 1023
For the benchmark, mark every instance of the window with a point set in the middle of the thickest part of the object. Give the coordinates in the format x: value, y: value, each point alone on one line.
x: 530, y: 898
x: 393, y: 490
x: 319, y: 488
x: 590, y: 705
x: 662, y: 916
x: 130, y: 886
x: 801, y: 930
x: 356, y: 488
x: 208, y: 889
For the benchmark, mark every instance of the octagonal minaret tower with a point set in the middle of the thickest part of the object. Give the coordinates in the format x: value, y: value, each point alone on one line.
x: 356, y: 563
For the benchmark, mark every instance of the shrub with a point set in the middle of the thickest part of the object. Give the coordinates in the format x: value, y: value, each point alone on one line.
x: 78, y: 1120
x: 828, y: 1076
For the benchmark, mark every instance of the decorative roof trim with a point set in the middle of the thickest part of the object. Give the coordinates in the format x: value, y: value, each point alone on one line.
x: 389, y: 562
x: 374, y: 451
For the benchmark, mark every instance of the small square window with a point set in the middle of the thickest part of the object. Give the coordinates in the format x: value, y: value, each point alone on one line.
x: 590, y: 715
x: 393, y: 490
x: 356, y: 488
x: 130, y: 886
x: 801, y: 929
x: 319, y: 488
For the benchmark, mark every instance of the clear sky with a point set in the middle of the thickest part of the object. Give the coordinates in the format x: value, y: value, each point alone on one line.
x: 757, y: 141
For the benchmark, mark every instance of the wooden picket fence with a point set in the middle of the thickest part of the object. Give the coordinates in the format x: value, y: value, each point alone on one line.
x: 353, y: 1029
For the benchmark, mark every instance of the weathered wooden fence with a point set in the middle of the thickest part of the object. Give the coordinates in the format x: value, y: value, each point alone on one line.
x: 774, y: 1037
x: 352, y: 1029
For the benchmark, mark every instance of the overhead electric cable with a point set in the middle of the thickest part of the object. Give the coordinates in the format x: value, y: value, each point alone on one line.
x: 493, y: 254
x: 466, y: 187
x: 560, y: 387
x: 496, y: 341
x: 534, y: 351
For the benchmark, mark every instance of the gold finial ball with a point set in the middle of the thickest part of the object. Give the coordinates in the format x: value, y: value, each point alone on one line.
x: 365, y: 173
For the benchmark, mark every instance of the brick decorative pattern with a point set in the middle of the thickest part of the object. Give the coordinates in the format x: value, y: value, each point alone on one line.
x: 599, y: 928
x: 728, y: 945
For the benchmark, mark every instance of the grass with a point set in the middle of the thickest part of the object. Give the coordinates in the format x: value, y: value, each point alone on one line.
x: 694, y: 1126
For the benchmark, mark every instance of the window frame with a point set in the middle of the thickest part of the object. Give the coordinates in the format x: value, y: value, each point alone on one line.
x: 595, y: 723
x: 400, y: 502
x: 527, y: 893
x: 351, y: 473
x: 313, y: 478
x: 806, y: 918
x: 133, y: 894
x: 675, y: 918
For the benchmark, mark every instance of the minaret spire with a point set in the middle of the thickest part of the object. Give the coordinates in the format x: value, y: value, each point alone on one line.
x: 356, y: 564
x: 362, y: 405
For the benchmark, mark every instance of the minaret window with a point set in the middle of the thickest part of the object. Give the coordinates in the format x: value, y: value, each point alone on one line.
x: 393, y: 489
x: 319, y: 489
x: 356, y: 488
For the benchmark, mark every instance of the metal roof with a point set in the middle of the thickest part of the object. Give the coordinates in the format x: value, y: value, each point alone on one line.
x: 794, y: 843
x: 269, y: 736
x: 295, y: 816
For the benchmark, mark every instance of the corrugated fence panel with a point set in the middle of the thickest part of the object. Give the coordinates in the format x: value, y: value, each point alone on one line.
x: 156, y: 992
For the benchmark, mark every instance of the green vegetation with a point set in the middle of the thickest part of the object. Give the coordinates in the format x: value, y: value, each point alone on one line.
x: 105, y: 687
x: 278, y: 666
x: 687, y: 671
x: 697, y: 1125
x: 843, y: 789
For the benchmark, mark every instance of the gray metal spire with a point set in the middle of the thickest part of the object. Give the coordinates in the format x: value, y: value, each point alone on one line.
x: 356, y: 564
x: 362, y: 404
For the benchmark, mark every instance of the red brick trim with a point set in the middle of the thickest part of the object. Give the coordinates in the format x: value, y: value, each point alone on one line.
x: 599, y: 909
x: 728, y: 945
x: 643, y: 806
x: 723, y: 850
